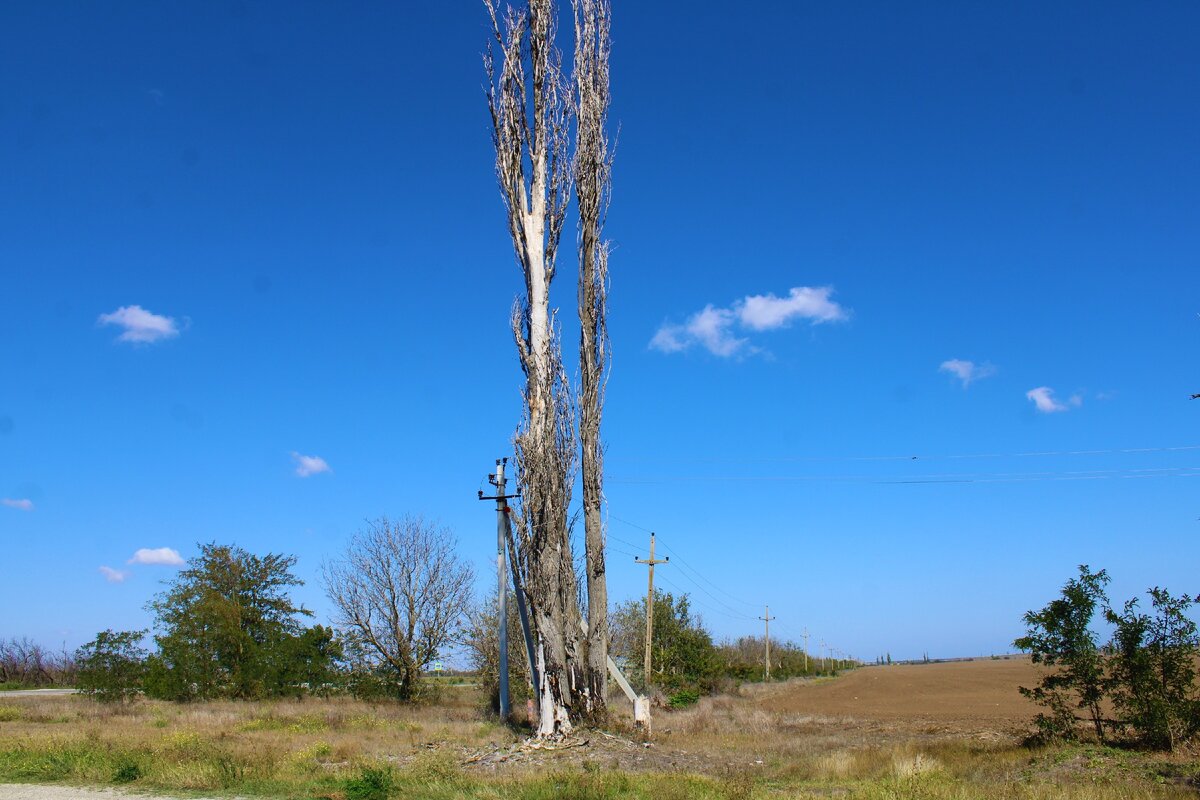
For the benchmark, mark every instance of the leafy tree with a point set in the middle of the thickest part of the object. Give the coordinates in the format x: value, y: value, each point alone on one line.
x: 112, y: 666
x: 1153, y: 669
x: 307, y: 663
x: 743, y: 659
x: 682, y: 654
x: 228, y: 629
x: 1060, y: 636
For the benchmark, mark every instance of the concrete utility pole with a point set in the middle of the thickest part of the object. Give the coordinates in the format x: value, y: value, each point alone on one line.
x: 806, y: 650
x: 650, y: 562
x: 498, y: 480
x: 767, y: 621
x: 821, y: 652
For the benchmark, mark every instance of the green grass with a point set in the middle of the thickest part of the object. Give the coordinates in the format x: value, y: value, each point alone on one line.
x: 192, y: 763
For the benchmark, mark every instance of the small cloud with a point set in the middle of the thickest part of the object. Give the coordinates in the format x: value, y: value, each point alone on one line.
x: 967, y: 371
x: 141, y: 326
x: 307, y: 466
x: 113, y: 575
x: 22, y: 504
x: 1043, y: 398
x: 713, y: 327
x: 764, y: 312
x: 164, y: 556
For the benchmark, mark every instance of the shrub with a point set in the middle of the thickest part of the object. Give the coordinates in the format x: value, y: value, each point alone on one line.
x: 371, y: 783
x: 112, y: 667
x: 126, y: 772
x: 1060, y: 636
x: 1153, y: 669
x: 683, y: 698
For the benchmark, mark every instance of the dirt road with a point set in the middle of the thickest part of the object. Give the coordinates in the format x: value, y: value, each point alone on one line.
x: 24, y: 791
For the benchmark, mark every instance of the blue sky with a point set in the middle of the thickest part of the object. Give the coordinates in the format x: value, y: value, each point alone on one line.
x: 816, y: 207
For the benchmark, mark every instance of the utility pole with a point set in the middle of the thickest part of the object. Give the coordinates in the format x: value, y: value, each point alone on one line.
x: 805, y: 649
x: 822, y: 654
x: 650, y: 562
x: 498, y: 480
x: 767, y: 621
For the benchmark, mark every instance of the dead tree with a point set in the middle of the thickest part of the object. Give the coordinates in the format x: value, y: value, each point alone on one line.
x: 593, y: 186
x: 529, y: 102
x: 399, y: 592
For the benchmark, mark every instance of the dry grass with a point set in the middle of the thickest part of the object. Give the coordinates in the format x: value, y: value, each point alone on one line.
x: 724, y: 747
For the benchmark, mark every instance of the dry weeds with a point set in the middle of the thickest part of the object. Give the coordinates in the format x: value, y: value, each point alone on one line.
x: 729, y: 746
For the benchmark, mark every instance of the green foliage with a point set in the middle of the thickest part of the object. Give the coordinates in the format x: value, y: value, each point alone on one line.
x: 743, y: 659
x: 1153, y: 669
x: 682, y: 652
x: 371, y: 783
x: 1150, y: 676
x: 229, y: 629
x: 684, y: 698
x: 127, y: 771
x: 112, y: 667
x: 1060, y: 635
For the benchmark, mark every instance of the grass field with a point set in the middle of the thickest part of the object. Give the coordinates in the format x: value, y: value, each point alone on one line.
x: 870, y: 734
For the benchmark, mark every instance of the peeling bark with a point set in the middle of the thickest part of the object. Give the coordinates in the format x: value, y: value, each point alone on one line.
x: 593, y: 186
x: 528, y: 100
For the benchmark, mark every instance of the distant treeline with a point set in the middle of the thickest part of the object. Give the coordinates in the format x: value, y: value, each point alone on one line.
x: 24, y: 664
x: 226, y: 627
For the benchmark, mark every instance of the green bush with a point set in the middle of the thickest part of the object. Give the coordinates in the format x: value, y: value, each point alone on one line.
x: 684, y: 698
x: 112, y: 667
x: 371, y: 783
x: 126, y: 772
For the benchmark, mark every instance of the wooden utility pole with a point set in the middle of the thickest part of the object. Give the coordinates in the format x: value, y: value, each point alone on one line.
x: 767, y: 621
x: 806, y: 650
x: 650, y: 562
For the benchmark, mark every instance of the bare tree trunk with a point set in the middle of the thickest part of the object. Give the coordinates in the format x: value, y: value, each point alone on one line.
x: 593, y: 186
x: 530, y: 126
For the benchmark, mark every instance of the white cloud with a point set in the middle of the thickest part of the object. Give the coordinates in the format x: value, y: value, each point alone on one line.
x: 764, y: 312
x: 157, y: 555
x: 23, y: 504
x: 967, y: 371
x: 310, y: 465
x: 113, y: 575
x: 1043, y: 398
x: 714, y: 328
x: 141, y: 326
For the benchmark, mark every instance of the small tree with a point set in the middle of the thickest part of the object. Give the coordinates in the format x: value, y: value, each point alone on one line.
x: 1153, y: 669
x: 479, y: 636
x: 226, y: 623
x: 399, y: 592
x: 683, y: 655
x: 112, y: 666
x: 1060, y: 636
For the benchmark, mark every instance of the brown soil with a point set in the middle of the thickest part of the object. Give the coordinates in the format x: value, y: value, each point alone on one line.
x: 982, y: 692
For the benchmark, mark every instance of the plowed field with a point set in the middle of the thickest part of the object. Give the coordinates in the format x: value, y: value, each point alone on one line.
x: 975, y: 695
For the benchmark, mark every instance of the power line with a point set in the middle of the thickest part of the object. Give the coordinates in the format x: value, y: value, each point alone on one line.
x: 689, y: 568
x: 702, y: 604
x: 911, y: 456
x: 968, y: 477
